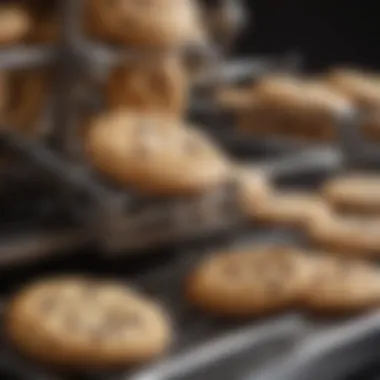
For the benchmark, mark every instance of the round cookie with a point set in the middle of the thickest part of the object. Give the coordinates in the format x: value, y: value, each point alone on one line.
x: 157, y: 84
x: 252, y: 187
x: 81, y: 323
x: 146, y: 24
x: 356, y: 193
x: 347, y: 235
x: 248, y: 282
x: 288, y: 106
x: 27, y: 99
x: 287, y: 208
x: 15, y: 24
x: 342, y: 286
x: 155, y: 154
x: 361, y: 87
x: 300, y: 97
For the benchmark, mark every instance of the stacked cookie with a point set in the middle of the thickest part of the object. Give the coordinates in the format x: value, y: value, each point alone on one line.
x: 155, y: 78
x: 24, y: 95
x: 306, y: 108
x: 343, y: 217
x: 350, y: 221
x: 266, y: 279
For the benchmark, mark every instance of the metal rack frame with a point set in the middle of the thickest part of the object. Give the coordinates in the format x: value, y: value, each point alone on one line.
x: 110, y: 222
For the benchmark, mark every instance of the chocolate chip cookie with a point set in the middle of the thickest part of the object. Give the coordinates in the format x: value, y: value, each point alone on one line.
x: 248, y: 282
x: 158, y: 84
x: 82, y: 323
x: 345, y: 234
x: 148, y: 24
x: 340, y: 285
x: 354, y: 193
x: 155, y: 154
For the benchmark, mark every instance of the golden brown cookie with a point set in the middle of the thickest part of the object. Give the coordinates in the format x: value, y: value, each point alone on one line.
x: 252, y: 186
x: 249, y: 282
x: 155, y: 154
x: 293, y: 107
x: 15, y: 23
x: 340, y: 285
x: 287, y: 208
x: 361, y: 87
x: 84, y: 323
x: 357, y: 236
x: 157, y: 84
x: 354, y: 193
x: 27, y: 99
x: 151, y: 24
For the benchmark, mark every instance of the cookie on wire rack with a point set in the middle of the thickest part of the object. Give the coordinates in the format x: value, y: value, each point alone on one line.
x: 359, y: 86
x: 86, y: 323
x: 348, y: 235
x: 155, y: 154
x: 354, y: 193
x: 342, y: 286
x: 249, y: 282
x: 285, y: 208
x: 15, y: 23
x: 154, y: 84
x: 157, y: 24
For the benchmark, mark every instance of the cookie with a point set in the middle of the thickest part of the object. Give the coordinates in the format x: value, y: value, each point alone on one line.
x: 15, y: 24
x: 82, y: 323
x: 157, y: 84
x: 287, y: 208
x: 357, y: 236
x: 252, y: 187
x: 360, y: 87
x: 340, y: 286
x: 300, y: 96
x: 354, y: 193
x: 293, y: 107
x: 249, y: 282
x: 27, y: 99
x: 155, y: 154
x: 147, y: 24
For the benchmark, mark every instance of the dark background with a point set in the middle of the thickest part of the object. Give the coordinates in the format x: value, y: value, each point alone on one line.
x: 326, y: 32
